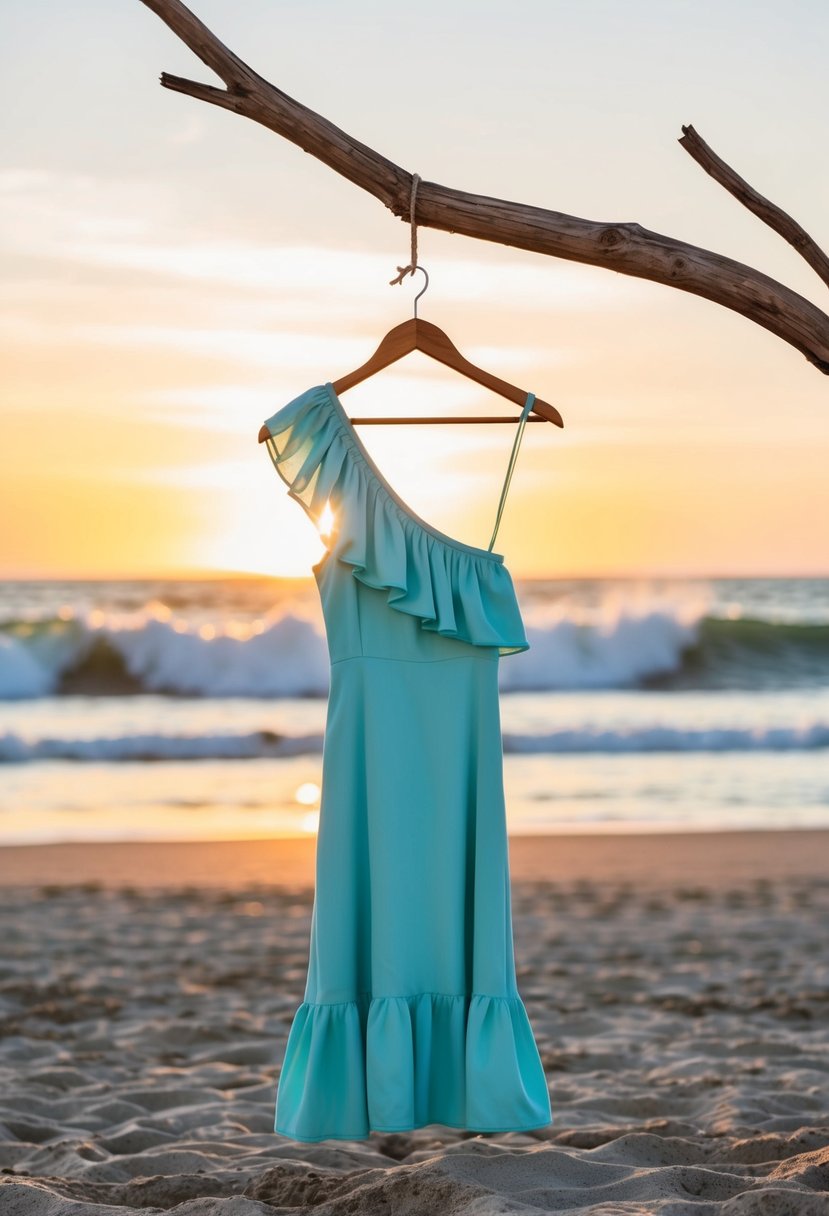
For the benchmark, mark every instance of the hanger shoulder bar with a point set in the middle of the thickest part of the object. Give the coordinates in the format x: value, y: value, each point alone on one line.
x: 400, y: 341
x: 417, y: 334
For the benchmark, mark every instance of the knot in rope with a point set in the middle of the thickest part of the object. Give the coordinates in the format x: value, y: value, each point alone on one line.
x: 410, y: 269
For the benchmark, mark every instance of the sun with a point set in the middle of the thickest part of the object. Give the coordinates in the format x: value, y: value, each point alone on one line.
x: 288, y: 547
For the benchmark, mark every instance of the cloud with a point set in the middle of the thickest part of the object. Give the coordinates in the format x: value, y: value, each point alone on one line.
x: 115, y: 224
x: 274, y: 350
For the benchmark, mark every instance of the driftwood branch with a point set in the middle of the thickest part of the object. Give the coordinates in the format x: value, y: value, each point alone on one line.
x: 627, y: 248
x: 769, y: 213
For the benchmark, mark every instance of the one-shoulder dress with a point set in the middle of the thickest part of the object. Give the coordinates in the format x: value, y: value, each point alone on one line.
x: 411, y: 1013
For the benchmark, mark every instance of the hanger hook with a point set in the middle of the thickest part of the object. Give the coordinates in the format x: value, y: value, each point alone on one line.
x: 423, y: 288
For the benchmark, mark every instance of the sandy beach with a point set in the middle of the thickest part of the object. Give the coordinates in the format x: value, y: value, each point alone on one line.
x: 678, y: 986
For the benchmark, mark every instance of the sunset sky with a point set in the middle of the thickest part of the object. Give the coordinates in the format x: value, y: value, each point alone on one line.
x: 173, y: 274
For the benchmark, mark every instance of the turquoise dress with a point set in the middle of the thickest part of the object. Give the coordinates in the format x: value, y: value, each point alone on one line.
x: 411, y: 1013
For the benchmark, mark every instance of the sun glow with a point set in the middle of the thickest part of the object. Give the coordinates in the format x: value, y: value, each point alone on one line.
x: 307, y: 793
x: 310, y: 822
x: 326, y: 520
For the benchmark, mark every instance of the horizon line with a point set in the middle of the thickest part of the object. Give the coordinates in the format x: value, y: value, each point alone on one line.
x: 214, y: 574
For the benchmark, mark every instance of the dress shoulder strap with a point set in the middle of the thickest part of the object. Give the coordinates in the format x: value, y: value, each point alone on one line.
x: 528, y: 404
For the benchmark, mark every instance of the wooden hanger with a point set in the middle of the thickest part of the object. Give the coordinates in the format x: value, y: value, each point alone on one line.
x: 417, y: 334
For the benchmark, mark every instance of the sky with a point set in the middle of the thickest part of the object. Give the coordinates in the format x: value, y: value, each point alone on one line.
x: 172, y: 274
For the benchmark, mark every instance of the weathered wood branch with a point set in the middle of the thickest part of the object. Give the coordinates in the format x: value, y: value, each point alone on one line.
x: 769, y: 213
x: 627, y: 248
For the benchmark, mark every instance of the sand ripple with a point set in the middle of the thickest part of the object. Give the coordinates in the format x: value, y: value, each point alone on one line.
x: 684, y: 1032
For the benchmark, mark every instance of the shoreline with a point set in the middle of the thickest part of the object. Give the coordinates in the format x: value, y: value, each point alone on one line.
x: 709, y: 859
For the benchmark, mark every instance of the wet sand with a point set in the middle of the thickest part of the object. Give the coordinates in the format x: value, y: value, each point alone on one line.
x: 713, y: 858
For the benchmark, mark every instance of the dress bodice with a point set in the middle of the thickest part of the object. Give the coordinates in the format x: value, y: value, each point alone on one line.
x: 449, y: 599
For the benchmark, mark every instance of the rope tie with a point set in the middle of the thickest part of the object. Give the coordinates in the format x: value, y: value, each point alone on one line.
x: 410, y: 269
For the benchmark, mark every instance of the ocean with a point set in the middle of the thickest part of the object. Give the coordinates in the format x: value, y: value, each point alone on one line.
x: 195, y: 709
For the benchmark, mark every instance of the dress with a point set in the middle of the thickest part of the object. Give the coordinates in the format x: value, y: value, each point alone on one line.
x: 411, y: 1013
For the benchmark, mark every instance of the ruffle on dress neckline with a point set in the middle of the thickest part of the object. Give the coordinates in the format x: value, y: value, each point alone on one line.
x: 455, y: 590
x: 394, y: 1063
